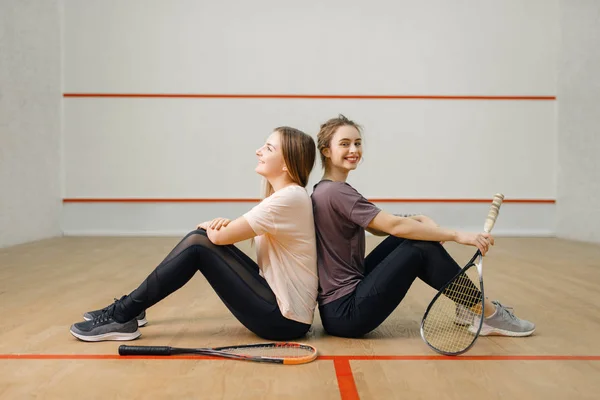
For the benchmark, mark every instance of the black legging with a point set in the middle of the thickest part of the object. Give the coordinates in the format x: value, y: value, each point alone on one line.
x: 232, y: 274
x: 390, y: 270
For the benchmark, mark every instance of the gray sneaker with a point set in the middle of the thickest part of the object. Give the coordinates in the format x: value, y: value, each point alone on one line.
x: 104, y: 327
x: 90, y: 315
x: 464, y: 316
x: 504, y: 323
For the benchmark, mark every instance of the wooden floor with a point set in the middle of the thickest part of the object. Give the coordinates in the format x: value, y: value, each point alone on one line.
x: 47, y: 285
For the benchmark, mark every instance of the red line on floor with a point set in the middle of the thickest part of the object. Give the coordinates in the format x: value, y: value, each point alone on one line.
x: 345, y: 379
x: 343, y: 370
x: 334, y: 358
x: 464, y: 358
x: 303, y: 96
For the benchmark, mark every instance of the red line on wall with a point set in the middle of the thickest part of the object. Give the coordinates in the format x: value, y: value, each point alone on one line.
x: 253, y: 200
x: 302, y: 96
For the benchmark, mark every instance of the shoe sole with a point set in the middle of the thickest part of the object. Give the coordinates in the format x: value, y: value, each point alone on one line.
x: 107, y: 336
x: 463, y: 322
x: 141, y: 322
x: 500, y: 332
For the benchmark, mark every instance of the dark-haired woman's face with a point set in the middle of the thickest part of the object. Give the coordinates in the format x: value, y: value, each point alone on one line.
x: 345, y: 149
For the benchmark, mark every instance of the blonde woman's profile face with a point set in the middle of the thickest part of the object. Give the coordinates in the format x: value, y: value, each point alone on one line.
x: 270, y: 157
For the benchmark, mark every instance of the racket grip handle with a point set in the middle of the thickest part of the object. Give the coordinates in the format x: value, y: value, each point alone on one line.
x: 493, y: 212
x: 125, y: 350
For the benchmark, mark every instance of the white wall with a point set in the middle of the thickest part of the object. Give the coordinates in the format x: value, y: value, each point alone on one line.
x: 578, y: 205
x: 204, y: 148
x: 30, y: 100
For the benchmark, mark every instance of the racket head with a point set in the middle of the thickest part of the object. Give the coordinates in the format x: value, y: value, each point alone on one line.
x: 288, y: 353
x: 444, y: 326
x: 451, y: 328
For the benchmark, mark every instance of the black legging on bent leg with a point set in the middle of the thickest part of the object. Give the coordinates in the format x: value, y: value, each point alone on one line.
x: 233, y: 275
x: 390, y: 270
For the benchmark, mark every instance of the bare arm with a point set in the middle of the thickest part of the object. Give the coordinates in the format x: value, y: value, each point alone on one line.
x: 410, y: 228
x: 419, y: 218
x: 228, y: 233
x: 375, y: 232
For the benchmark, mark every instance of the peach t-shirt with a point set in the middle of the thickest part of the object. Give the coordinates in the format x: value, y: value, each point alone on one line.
x: 286, y: 250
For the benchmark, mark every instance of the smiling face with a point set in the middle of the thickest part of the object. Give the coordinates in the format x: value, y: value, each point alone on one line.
x: 345, y: 149
x: 270, y: 158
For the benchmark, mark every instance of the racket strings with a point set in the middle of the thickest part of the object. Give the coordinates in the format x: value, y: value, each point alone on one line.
x: 279, y: 351
x: 447, y: 324
x: 463, y: 291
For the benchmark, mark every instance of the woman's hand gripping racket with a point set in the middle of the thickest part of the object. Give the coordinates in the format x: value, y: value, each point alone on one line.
x: 287, y: 353
x: 452, y: 321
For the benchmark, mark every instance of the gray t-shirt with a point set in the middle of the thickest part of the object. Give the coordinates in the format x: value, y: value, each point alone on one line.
x: 341, y: 216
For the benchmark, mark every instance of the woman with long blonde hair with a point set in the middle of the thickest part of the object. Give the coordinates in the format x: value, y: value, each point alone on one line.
x: 274, y: 298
